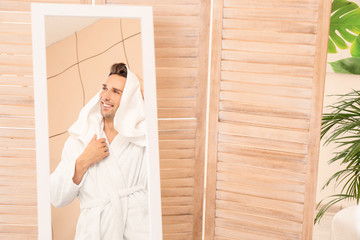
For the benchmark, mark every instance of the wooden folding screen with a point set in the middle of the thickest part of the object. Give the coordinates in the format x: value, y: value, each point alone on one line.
x: 18, y: 205
x: 181, y: 68
x: 266, y: 80
x: 268, y: 66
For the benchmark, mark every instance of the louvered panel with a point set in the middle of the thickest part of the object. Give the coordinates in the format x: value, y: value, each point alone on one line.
x: 265, y: 76
x: 18, y: 204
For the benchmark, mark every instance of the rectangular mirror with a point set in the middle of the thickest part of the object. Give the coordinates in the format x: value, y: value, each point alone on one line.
x: 74, y: 47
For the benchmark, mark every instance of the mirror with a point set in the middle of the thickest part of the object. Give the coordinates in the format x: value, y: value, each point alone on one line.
x: 74, y: 47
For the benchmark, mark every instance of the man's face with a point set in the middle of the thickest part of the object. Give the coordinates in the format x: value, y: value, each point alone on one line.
x: 110, y: 95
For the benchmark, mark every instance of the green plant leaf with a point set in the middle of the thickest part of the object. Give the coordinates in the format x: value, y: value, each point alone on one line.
x: 355, y: 47
x: 347, y: 65
x: 342, y: 127
x: 344, y: 24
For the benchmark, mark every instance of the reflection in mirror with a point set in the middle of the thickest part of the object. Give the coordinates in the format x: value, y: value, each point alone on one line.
x: 77, y: 66
x: 101, y: 160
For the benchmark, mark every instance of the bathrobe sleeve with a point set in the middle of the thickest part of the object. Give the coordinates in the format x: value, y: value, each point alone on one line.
x: 62, y: 188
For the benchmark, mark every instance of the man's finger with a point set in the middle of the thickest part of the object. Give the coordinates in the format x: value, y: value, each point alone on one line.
x: 94, y: 138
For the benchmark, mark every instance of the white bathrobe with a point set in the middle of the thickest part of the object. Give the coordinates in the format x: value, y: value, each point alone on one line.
x: 113, y: 192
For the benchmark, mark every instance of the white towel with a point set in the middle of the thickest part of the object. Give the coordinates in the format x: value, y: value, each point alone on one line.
x: 129, y: 120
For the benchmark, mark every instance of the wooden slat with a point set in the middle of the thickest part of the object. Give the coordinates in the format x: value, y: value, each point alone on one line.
x: 176, y: 113
x: 176, y: 21
x: 265, y: 120
x: 177, y: 10
x: 299, y: 4
x: 16, y: 60
x: 263, y: 132
x: 176, y: 135
x: 11, y: 142
x: 180, y: 42
x: 16, y: 90
x: 177, y: 144
x: 18, y: 17
x: 176, y: 124
x: 176, y: 192
x: 176, y: 163
x: 10, y: 161
x: 265, y: 109
x: 281, y: 26
x: 269, y: 47
x: 155, y: 2
x: 176, y: 103
x: 18, y: 236
x: 293, y: 211
x: 175, y: 52
x: 17, y: 122
x: 16, y: 110
x: 24, y: 5
x: 177, y: 201
x: 270, y: 79
x: 257, y: 190
x: 14, y: 80
x: 263, y: 143
x: 286, y: 14
x: 17, y: 133
x: 266, y: 90
x: 271, y: 184
x: 176, y: 62
x: 17, y: 153
x: 176, y: 32
x: 270, y: 100
x: 175, y: 228
x: 15, y: 39
x: 268, y: 68
x: 18, y: 28
x: 15, y: 49
x: 269, y: 58
x: 18, y: 229
x: 173, y: 84
x: 269, y: 36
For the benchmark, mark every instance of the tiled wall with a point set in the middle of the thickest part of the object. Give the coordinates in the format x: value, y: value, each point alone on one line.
x: 76, y: 68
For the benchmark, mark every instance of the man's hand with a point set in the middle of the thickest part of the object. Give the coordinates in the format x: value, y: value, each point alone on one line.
x: 94, y: 152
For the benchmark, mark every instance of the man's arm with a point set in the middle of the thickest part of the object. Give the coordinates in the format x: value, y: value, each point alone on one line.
x: 94, y: 152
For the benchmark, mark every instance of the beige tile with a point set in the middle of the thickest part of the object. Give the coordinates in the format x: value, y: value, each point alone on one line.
x: 63, y: 220
x: 56, y: 145
x: 61, y: 55
x: 134, y: 54
x: 130, y: 27
x: 95, y: 70
x: 98, y: 37
x: 64, y: 100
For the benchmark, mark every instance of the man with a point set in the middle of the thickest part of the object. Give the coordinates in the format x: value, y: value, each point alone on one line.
x: 103, y: 163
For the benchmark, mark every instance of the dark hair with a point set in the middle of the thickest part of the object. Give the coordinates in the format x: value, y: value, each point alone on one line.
x: 118, y: 69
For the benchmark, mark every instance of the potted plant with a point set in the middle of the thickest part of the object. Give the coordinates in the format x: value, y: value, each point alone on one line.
x: 342, y: 127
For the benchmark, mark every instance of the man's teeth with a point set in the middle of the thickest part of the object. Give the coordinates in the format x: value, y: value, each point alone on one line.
x: 106, y: 105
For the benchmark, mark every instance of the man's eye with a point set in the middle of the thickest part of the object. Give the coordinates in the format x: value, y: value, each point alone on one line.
x: 104, y: 88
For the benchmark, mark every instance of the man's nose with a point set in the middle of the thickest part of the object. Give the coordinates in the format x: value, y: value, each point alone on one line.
x: 106, y: 94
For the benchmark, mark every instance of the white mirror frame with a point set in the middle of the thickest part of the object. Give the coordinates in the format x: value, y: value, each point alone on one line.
x: 144, y: 13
